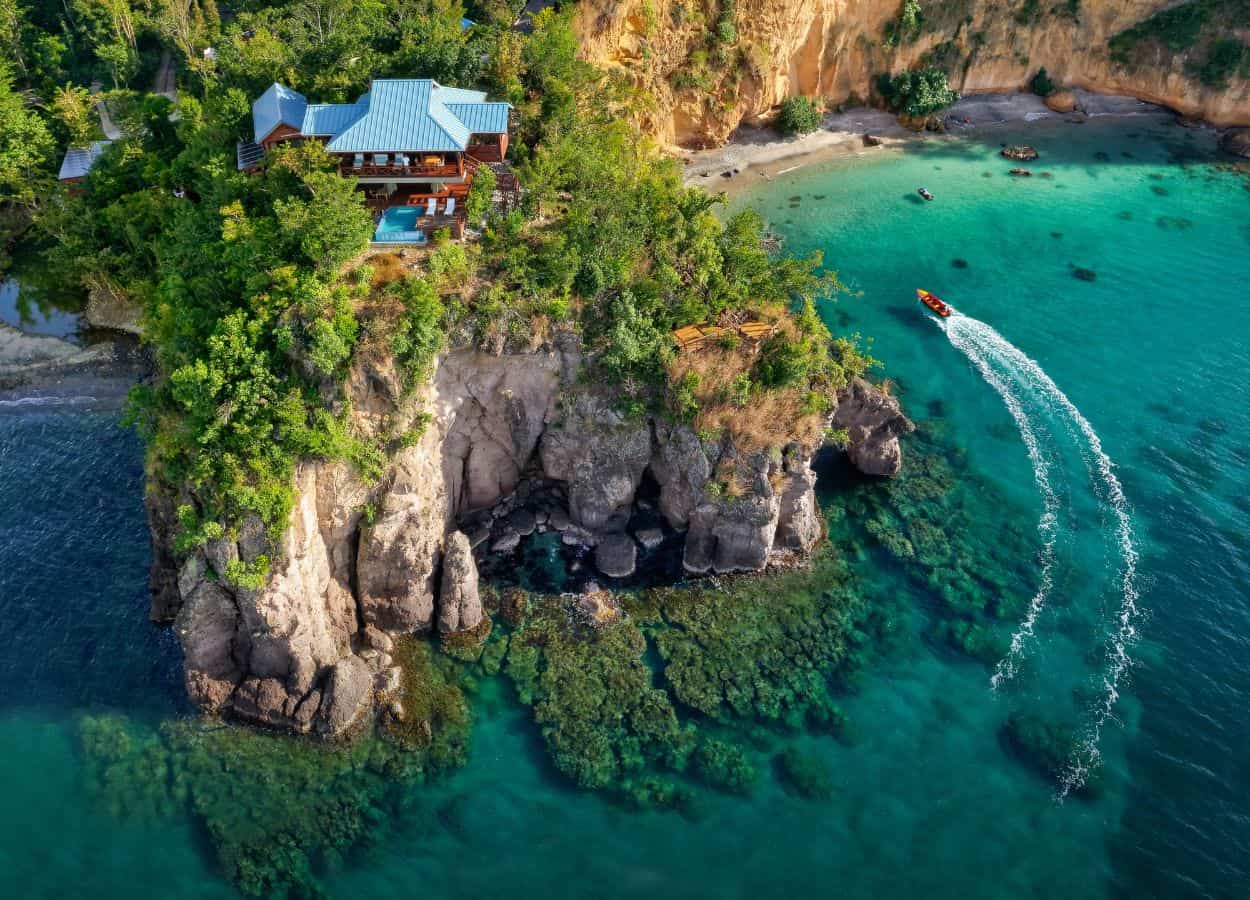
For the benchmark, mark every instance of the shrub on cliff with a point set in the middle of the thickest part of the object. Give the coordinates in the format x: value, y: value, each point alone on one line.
x: 917, y: 93
x: 906, y: 27
x: 798, y: 115
x: 1042, y: 84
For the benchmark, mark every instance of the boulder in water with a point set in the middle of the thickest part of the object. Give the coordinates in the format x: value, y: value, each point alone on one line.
x: 459, y: 604
x: 616, y: 555
x: 1020, y: 153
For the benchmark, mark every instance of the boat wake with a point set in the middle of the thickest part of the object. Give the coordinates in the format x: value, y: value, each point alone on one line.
x: 1031, y: 397
x: 1048, y: 522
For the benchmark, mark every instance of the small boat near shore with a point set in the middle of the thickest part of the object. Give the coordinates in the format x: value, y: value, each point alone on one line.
x: 934, y: 302
x: 924, y: 192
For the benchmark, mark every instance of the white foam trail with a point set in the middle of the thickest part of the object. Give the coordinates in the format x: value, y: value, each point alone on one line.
x: 46, y: 401
x: 1118, y: 659
x: 1047, y: 523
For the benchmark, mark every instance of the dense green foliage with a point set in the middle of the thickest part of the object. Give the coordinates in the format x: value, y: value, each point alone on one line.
x: 917, y: 93
x: 906, y: 27
x: 247, y: 283
x: 1204, y: 32
x: 798, y: 115
x: 1042, y: 84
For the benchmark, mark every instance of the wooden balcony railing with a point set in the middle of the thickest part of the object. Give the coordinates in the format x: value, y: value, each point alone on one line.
x: 370, y: 170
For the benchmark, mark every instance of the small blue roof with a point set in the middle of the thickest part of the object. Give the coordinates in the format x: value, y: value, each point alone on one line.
x: 466, y: 24
x: 78, y: 161
x: 482, y: 118
x: 279, y: 105
x: 418, y: 114
x: 326, y: 119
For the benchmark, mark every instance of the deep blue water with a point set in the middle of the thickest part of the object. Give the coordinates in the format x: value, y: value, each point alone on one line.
x: 928, y: 801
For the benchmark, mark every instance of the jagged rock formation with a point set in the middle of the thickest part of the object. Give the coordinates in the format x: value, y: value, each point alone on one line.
x: 836, y: 48
x: 874, y: 422
x: 460, y: 606
x: 310, y: 650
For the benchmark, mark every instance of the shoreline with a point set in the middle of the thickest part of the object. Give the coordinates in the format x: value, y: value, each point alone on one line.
x: 757, y: 153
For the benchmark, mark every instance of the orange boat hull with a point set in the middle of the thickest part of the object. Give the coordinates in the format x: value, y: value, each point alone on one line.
x: 934, y: 302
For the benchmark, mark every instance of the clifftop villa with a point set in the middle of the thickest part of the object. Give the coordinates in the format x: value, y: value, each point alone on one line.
x: 412, y: 145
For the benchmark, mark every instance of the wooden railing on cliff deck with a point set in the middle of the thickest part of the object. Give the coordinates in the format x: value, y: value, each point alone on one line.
x: 487, y: 153
x: 507, y: 186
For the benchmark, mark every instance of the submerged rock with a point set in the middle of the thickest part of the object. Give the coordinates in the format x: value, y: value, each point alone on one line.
x: 349, y: 696
x: 616, y: 555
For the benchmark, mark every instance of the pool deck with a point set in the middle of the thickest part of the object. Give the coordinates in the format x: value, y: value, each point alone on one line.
x: 423, y: 224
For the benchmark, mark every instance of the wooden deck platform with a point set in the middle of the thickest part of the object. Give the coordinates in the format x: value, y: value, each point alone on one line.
x: 693, y: 337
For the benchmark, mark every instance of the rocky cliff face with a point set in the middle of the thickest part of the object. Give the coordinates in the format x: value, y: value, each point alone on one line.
x: 698, y: 90
x: 359, y: 562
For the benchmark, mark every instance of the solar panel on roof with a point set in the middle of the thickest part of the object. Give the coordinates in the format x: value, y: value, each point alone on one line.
x: 249, y: 153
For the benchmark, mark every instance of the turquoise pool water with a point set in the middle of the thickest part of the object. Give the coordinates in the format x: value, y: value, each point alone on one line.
x: 398, y: 224
x: 929, y: 799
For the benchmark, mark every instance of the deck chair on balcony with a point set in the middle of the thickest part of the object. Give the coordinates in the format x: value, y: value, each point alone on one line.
x: 358, y: 160
x: 431, y: 207
x: 379, y: 159
x: 450, y: 209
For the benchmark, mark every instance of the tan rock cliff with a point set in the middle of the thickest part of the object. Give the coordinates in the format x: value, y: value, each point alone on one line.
x: 694, y: 92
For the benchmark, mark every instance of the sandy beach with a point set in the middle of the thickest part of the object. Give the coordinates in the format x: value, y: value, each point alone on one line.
x: 756, y: 153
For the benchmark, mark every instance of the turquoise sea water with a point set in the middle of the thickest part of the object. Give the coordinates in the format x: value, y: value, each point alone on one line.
x: 930, y: 799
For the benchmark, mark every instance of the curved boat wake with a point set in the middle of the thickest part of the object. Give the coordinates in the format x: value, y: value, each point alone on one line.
x: 1047, y: 523
x: 1029, y: 394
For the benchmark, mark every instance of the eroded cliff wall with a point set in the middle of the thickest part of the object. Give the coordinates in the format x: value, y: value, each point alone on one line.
x: 696, y: 87
x: 359, y: 562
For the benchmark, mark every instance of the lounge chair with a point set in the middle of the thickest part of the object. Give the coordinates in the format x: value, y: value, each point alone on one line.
x: 451, y: 207
x: 379, y: 159
x: 358, y: 160
x: 431, y: 207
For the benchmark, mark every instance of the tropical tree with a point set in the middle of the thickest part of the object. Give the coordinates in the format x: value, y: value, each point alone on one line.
x: 74, y: 109
x: 26, y: 146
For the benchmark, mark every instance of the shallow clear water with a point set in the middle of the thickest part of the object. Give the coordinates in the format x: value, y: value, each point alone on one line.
x: 929, y: 800
x: 33, y: 314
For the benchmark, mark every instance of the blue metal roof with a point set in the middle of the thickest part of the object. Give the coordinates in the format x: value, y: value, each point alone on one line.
x: 326, y: 119
x: 78, y: 162
x: 482, y: 118
x: 413, y: 114
x: 279, y: 105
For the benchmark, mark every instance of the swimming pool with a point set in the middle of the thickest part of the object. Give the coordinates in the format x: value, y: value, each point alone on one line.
x: 398, y: 225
